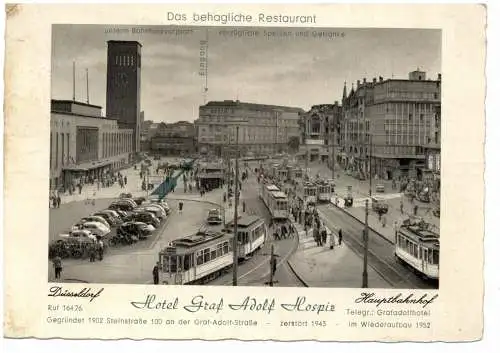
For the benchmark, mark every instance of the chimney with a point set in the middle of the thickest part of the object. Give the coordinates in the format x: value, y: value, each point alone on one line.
x: 439, y: 77
x: 374, y: 80
x: 380, y: 79
x: 358, y: 83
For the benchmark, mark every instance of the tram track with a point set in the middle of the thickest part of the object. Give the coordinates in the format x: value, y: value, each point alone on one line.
x: 380, y: 250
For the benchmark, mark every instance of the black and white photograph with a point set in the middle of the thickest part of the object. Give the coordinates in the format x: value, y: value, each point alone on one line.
x: 245, y: 156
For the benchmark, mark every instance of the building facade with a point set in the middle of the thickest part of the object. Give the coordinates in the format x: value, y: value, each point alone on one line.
x: 320, y: 133
x: 265, y: 128
x: 123, y: 90
x: 84, y: 143
x: 174, y: 139
x: 392, y: 121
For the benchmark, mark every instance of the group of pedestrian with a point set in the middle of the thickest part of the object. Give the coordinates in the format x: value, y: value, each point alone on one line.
x: 282, y: 231
x: 55, y: 201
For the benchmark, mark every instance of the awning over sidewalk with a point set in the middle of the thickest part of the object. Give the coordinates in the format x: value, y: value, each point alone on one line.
x: 83, y: 167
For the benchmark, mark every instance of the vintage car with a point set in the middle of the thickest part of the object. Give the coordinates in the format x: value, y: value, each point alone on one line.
x: 145, y: 217
x: 122, y: 206
x: 214, y: 216
x: 95, y: 228
x: 158, y: 212
x: 112, y: 218
x: 138, y: 229
x: 125, y: 195
x: 96, y: 219
x: 78, y: 236
x: 379, y: 205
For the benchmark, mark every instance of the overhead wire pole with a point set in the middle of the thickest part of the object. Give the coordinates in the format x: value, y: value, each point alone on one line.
x: 365, y: 231
x: 236, y: 200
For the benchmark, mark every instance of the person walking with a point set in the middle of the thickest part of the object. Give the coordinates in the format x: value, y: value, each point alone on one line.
x: 57, y: 261
x: 92, y: 251
x: 340, y: 237
x: 100, y: 249
x: 181, y: 205
x: 156, y: 273
x: 323, y: 235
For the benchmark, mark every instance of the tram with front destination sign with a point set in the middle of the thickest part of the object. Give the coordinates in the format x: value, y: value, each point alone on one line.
x: 307, y: 192
x: 325, y: 191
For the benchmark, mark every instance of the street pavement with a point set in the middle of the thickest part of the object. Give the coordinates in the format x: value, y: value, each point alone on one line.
x: 320, y: 266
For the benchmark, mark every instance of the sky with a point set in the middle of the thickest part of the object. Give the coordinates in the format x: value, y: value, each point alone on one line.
x: 272, y: 66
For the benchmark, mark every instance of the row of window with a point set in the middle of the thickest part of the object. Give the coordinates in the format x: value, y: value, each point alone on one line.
x: 173, y: 263
x: 251, y: 236
x: 59, y: 142
x: 115, y: 143
x: 422, y: 253
x: 125, y: 60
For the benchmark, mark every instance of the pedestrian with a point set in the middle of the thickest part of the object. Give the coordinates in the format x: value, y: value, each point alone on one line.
x: 156, y: 273
x: 244, y: 206
x: 92, y: 252
x: 57, y: 261
x: 323, y: 235
x: 181, y: 205
x: 58, y: 201
x: 332, y: 241
x: 415, y: 210
x: 100, y: 249
x: 316, y: 236
x: 340, y: 237
x: 401, y: 207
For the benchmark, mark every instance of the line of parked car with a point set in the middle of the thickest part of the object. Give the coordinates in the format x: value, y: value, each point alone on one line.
x: 124, y: 222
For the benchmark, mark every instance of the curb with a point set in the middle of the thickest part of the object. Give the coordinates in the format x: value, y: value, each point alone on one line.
x: 299, y: 277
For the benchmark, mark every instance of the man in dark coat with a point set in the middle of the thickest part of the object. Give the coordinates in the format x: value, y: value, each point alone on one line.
x: 156, y: 273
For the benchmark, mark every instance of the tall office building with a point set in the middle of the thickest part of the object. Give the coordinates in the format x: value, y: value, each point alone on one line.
x: 123, y: 91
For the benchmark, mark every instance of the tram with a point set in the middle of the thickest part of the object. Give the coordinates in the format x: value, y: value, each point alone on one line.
x: 324, y: 191
x: 196, y: 259
x: 307, y: 192
x: 275, y: 200
x: 418, y: 247
x: 251, y: 232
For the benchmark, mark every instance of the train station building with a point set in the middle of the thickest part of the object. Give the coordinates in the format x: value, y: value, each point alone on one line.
x: 84, y: 143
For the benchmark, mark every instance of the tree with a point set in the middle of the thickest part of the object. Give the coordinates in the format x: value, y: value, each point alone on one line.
x: 293, y: 143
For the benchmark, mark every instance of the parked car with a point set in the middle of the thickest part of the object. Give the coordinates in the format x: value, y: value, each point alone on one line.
x: 125, y: 195
x: 145, y: 217
x: 138, y: 229
x: 112, y: 220
x: 94, y: 219
x: 162, y: 203
x: 160, y: 212
x: 96, y: 228
x: 379, y: 205
x: 129, y: 201
x: 214, y: 216
x: 153, y: 210
x: 122, y: 206
x: 80, y: 236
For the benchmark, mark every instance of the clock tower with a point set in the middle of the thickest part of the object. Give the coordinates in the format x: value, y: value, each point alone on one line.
x: 123, y: 89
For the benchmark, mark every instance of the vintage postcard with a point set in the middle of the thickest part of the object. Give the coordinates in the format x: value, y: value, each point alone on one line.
x: 247, y: 172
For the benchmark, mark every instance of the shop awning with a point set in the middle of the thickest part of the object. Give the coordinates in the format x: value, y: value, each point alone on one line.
x: 83, y: 167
